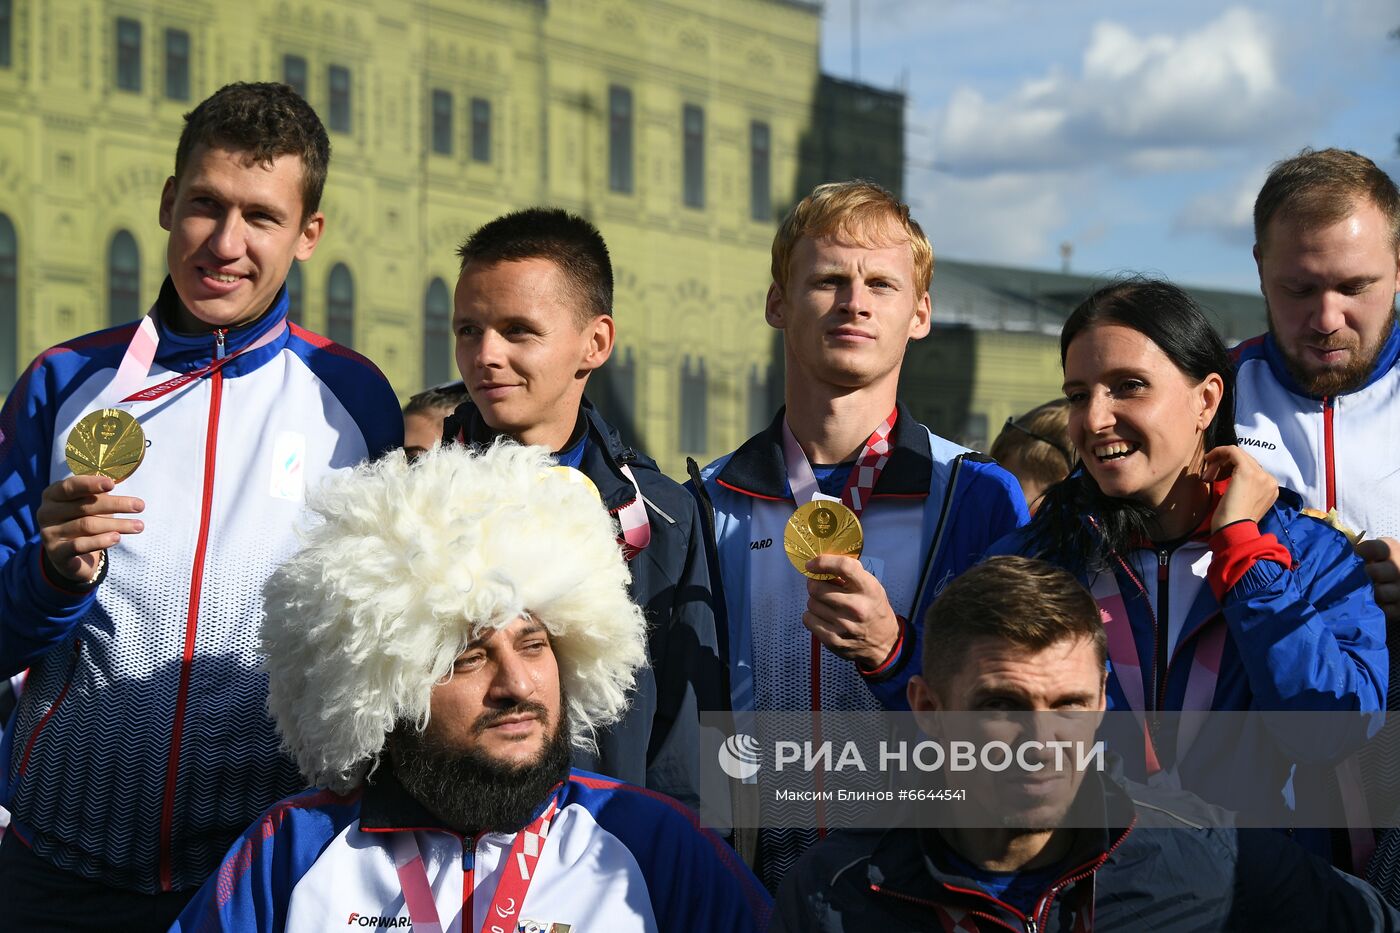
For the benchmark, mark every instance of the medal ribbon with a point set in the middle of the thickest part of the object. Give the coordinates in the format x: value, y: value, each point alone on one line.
x: 141, y: 353
x: 874, y: 454
x: 518, y: 871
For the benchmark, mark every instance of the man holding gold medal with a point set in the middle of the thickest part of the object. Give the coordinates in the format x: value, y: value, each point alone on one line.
x: 886, y: 512
x: 140, y: 747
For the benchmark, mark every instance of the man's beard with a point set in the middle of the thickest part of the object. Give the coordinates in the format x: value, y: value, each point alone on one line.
x: 1338, y: 380
x: 473, y: 792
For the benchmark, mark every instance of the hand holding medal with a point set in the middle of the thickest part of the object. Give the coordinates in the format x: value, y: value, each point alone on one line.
x: 76, y: 516
x: 848, y: 611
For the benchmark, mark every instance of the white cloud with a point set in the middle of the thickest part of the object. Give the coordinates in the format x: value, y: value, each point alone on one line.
x: 1135, y: 100
x: 1008, y: 216
x: 1228, y: 213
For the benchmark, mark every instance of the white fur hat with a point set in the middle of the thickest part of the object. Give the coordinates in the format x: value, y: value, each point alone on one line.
x: 408, y: 563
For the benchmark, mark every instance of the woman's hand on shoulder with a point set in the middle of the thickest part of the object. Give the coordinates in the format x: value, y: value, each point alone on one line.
x: 1252, y: 490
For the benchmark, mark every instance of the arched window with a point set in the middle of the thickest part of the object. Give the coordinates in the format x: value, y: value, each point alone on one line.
x: 9, y: 304
x: 123, y: 279
x: 340, y: 306
x: 437, y: 334
x: 294, y: 306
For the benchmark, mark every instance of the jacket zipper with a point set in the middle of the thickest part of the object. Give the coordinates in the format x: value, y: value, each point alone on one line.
x: 1328, y: 406
x: 1043, y: 909
x: 172, y: 768
x: 468, y: 881
x: 1160, y: 635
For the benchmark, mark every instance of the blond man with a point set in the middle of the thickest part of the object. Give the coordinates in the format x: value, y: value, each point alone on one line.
x: 851, y: 272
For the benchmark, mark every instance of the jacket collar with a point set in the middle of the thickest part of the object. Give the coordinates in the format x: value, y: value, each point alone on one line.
x: 186, y: 352
x: 915, y: 864
x: 604, y: 454
x: 758, y: 468
x: 1385, y: 361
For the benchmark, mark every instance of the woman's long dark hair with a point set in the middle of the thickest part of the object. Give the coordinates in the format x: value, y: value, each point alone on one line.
x: 1168, y: 317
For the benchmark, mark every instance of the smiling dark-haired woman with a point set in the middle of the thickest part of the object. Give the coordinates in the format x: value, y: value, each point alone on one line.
x: 1217, y: 592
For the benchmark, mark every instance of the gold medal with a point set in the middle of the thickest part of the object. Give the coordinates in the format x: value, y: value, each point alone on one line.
x: 107, y: 442
x: 578, y: 478
x: 821, y: 527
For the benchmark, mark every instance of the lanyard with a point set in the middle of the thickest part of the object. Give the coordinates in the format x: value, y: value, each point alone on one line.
x: 632, y: 517
x: 874, y: 454
x: 518, y: 871
x: 141, y: 353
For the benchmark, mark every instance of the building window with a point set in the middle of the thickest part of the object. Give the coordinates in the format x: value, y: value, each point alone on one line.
x: 128, y: 54
x: 760, y: 172
x: 177, y: 64
x: 693, y: 122
x: 481, y: 129
x: 123, y: 279
x: 294, y: 291
x: 437, y: 334
x: 613, y: 391
x: 339, y: 77
x: 620, y: 139
x: 694, y: 391
x: 442, y: 122
x: 294, y: 73
x: 761, y: 402
x: 7, y: 20
x: 9, y: 304
x: 340, y: 306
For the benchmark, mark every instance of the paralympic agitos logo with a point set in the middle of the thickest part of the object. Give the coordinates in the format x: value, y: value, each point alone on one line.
x: 379, y: 923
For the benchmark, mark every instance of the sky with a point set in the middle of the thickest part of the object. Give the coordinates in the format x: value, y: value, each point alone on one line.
x: 1137, y: 131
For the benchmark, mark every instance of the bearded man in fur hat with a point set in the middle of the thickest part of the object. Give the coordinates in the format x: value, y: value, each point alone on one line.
x: 452, y: 628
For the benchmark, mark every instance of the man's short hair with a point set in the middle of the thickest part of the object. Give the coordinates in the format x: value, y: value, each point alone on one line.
x: 445, y: 397
x: 1036, y: 445
x: 859, y: 211
x: 1316, y: 189
x: 1029, y: 603
x: 567, y: 240
x: 264, y: 121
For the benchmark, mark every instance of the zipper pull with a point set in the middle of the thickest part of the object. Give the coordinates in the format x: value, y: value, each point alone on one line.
x: 1031, y: 925
x: 219, y: 333
x: 1163, y: 558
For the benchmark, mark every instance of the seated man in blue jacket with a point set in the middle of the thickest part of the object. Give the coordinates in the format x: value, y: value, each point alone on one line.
x: 452, y: 629
x: 851, y: 272
x: 533, y: 321
x: 1020, y: 635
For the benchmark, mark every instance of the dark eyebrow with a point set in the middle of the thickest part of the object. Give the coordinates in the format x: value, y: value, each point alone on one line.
x: 253, y: 208
x: 532, y: 627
